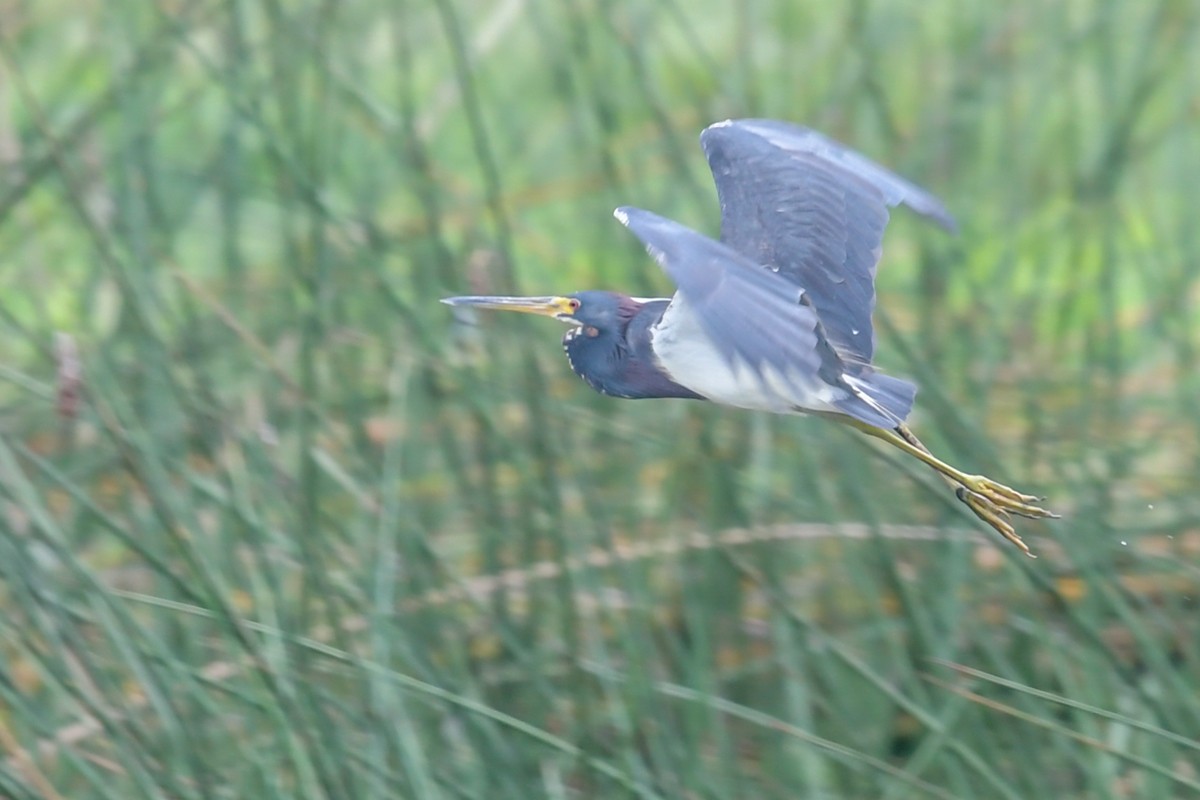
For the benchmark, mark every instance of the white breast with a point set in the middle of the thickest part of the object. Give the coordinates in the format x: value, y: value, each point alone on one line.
x: 686, y: 354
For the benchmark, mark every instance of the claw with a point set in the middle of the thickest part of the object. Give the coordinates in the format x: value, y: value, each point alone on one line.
x: 1007, y: 499
x: 992, y: 502
x: 993, y: 515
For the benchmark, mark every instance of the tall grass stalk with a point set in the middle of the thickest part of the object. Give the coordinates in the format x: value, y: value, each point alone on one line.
x: 301, y: 533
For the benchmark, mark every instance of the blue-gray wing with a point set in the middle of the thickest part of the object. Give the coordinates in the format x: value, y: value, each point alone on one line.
x: 749, y: 315
x: 814, y: 212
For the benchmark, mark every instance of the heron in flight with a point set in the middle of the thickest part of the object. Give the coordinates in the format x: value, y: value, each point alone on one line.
x: 776, y: 316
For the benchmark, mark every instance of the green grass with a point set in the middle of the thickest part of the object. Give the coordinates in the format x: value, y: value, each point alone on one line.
x: 308, y: 535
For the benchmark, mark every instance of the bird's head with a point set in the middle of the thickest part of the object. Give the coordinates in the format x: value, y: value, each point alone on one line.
x: 592, y: 314
x: 602, y: 345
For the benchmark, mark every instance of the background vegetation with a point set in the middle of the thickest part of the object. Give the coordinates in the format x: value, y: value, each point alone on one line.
x: 284, y: 527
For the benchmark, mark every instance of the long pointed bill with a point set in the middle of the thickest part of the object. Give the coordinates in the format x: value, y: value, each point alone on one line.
x: 561, y: 308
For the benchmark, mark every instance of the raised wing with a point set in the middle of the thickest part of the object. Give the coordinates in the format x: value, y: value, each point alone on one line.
x: 751, y: 317
x: 814, y: 212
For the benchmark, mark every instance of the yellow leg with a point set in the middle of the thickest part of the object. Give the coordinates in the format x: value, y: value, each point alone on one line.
x: 992, y: 502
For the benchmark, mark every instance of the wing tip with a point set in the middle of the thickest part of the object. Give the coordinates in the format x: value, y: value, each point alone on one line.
x: 707, y: 135
x: 897, y: 189
x: 633, y: 218
x: 934, y: 210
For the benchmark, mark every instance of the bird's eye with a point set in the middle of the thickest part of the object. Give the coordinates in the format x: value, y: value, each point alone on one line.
x: 574, y: 304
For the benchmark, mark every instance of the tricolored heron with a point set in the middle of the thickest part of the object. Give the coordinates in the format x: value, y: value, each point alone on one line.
x: 776, y: 316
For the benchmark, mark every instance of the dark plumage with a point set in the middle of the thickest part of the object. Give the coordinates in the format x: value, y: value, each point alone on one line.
x: 776, y: 316
x: 610, y: 347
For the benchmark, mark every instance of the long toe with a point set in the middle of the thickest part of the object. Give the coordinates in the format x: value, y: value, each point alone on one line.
x: 993, y: 515
x: 1008, y: 499
x: 1010, y: 493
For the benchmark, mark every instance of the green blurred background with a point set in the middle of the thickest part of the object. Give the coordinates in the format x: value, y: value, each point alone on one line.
x: 299, y: 532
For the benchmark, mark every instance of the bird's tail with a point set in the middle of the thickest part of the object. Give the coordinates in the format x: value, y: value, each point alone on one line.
x: 880, y: 400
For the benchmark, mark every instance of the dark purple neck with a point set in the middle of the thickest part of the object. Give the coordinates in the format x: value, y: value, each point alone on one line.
x: 619, y: 361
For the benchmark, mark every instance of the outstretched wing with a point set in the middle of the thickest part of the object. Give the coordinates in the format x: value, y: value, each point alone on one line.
x: 814, y: 212
x: 736, y: 333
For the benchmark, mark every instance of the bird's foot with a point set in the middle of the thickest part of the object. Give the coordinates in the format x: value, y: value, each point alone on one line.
x: 993, y: 502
